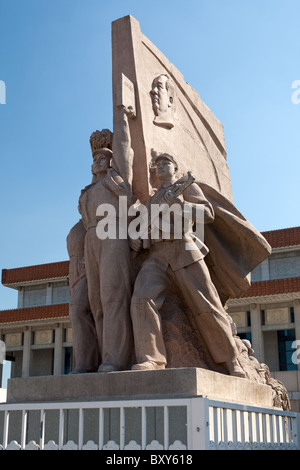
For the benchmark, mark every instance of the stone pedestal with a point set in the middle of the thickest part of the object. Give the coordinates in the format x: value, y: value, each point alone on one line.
x: 175, y: 409
x: 133, y: 385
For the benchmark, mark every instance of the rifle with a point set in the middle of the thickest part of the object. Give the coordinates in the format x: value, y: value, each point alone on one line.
x: 181, y: 187
x: 177, y: 188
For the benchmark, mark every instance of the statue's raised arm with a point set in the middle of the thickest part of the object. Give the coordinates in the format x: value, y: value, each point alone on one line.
x: 122, y: 160
x: 124, y: 110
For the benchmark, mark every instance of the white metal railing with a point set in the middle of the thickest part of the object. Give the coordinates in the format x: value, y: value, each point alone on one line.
x: 204, y: 424
x: 248, y: 427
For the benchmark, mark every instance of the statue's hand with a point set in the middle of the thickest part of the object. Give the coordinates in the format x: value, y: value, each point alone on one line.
x: 170, y: 198
x: 128, y: 111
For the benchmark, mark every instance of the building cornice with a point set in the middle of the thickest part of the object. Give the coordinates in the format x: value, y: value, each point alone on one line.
x: 273, y: 287
x: 275, y: 290
x: 283, y: 238
x: 44, y: 312
x: 18, y: 277
x: 264, y: 299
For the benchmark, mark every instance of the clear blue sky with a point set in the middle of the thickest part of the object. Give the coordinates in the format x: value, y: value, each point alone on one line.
x: 55, y: 59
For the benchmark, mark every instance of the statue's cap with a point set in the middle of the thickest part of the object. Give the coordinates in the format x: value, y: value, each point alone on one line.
x: 103, y: 151
x: 166, y: 156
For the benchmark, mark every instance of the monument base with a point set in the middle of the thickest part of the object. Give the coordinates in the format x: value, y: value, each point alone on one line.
x: 175, y: 409
x: 133, y: 385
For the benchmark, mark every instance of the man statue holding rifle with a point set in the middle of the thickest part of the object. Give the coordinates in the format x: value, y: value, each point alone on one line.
x: 170, y: 260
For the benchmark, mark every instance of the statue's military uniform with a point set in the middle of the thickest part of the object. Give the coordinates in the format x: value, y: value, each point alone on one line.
x: 107, y: 264
x: 169, y: 260
x: 84, y: 338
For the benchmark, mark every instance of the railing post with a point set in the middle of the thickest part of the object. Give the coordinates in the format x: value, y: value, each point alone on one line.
x: 144, y: 427
x: 122, y: 428
x: 101, y: 428
x: 5, y: 430
x: 61, y: 428
x: 80, y: 428
x: 24, y: 429
x: 166, y: 427
x: 42, y: 429
x: 198, y: 424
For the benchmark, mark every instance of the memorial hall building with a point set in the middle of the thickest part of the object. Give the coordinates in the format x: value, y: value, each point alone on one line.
x: 38, y: 334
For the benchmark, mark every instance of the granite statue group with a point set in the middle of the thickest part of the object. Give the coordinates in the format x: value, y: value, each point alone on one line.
x: 115, y: 317
x: 120, y: 285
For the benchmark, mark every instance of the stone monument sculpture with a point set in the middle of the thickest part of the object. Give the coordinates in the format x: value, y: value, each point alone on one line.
x: 170, y: 260
x: 160, y: 301
x: 163, y: 94
x: 85, y: 345
x: 107, y: 261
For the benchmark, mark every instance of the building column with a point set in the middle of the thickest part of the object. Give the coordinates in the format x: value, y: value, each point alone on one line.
x: 297, y: 323
x: 265, y: 270
x: 257, y: 339
x: 49, y: 294
x: 58, y: 350
x: 26, y: 352
x: 21, y: 297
